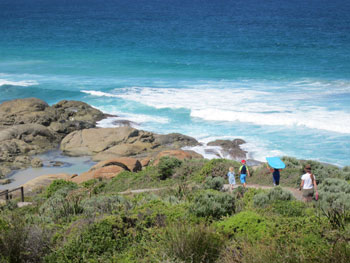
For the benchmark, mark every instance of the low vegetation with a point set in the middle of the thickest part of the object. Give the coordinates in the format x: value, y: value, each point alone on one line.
x: 190, y: 218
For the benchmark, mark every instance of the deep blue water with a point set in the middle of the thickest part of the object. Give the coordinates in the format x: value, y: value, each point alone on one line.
x: 276, y: 73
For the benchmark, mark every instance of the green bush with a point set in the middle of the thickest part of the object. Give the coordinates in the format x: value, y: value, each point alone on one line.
x: 275, y: 194
x: 218, y: 167
x: 20, y: 242
x: 98, y: 243
x: 101, y: 204
x: 213, y: 204
x: 192, y: 243
x: 59, y: 184
x: 190, y: 169
x: 63, y: 204
x: 167, y: 165
x: 95, y: 186
x: 289, y: 208
x: 291, y: 162
x: 157, y: 212
x: 215, y: 183
x: 334, y: 201
x: 245, y: 224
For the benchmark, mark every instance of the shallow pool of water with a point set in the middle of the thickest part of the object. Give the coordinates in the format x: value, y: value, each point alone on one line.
x: 69, y: 165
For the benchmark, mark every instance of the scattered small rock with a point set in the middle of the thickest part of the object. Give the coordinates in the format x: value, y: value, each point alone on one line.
x: 22, y: 204
x: 5, y: 181
x: 57, y: 163
x: 37, y: 162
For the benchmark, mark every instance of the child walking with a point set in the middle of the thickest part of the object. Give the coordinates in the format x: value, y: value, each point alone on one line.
x: 244, y: 171
x: 231, y: 178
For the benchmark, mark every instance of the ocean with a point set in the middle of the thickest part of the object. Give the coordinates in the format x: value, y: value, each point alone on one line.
x: 275, y: 73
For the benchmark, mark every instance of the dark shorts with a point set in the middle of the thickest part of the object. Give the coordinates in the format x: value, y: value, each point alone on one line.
x: 308, y: 192
x: 276, y: 179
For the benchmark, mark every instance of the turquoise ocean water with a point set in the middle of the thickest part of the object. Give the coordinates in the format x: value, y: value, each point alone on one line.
x: 275, y: 73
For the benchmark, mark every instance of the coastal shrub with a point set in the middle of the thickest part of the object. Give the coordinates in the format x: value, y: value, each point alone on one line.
x: 167, y: 165
x: 59, y: 184
x: 275, y: 194
x: 279, y: 194
x: 215, y: 183
x: 157, y: 212
x: 286, y: 240
x: 218, y: 167
x: 89, y: 183
x: 190, y: 169
x: 261, y: 200
x: 245, y: 224
x: 289, y: 208
x: 98, y: 243
x: 20, y: 242
x: 291, y: 162
x: 245, y: 197
x: 101, y: 204
x: 213, y: 204
x: 147, y: 178
x: 334, y: 201
x: 64, y: 203
x: 192, y: 243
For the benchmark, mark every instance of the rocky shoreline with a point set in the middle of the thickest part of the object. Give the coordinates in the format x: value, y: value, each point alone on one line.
x: 30, y: 126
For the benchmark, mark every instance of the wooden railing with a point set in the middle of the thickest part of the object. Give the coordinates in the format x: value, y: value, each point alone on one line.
x: 8, y: 196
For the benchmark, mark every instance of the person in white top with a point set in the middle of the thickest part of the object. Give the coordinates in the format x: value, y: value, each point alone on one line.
x: 308, y: 184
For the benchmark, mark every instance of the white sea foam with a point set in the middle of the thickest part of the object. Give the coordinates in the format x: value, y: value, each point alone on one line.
x: 292, y: 104
x: 259, y: 150
x: 99, y: 93
x: 208, y: 152
x: 136, y: 120
x: 245, y: 105
x: 22, y: 83
x: 112, y: 122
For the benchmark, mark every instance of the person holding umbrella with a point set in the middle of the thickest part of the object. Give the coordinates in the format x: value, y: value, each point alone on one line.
x: 275, y: 166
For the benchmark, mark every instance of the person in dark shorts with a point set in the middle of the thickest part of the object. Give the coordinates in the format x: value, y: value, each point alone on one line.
x: 244, y: 171
x: 308, y: 184
x: 275, y: 176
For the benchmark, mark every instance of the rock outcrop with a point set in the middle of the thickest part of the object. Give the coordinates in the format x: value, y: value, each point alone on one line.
x: 42, y: 181
x: 231, y: 149
x: 108, y: 143
x: 30, y: 126
x: 109, y: 169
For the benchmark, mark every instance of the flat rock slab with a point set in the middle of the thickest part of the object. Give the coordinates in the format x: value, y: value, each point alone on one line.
x: 22, y: 204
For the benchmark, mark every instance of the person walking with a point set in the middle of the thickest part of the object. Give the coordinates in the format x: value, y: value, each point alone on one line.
x: 244, y: 171
x: 231, y: 178
x: 308, y: 184
x: 275, y: 176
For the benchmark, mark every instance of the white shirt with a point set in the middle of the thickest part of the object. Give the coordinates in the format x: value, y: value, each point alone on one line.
x: 307, y: 181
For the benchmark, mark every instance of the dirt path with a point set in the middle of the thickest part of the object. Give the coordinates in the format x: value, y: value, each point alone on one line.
x: 296, y: 193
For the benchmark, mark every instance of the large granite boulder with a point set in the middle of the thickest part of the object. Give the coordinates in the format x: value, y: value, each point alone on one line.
x: 175, y: 140
x: 108, y: 143
x: 30, y: 126
x: 62, y: 118
x: 23, y: 111
x: 230, y: 149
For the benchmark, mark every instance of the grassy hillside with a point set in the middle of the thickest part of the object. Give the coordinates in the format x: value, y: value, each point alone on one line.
x: 188, y: 219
